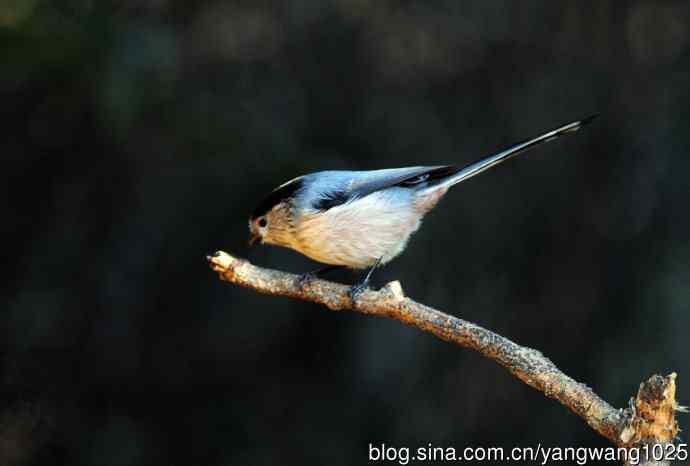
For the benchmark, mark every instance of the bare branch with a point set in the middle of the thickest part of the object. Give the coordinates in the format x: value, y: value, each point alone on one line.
x: 625, y: 428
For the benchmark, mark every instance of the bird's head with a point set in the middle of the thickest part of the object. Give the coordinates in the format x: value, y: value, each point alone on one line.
x: 272, y: 227
x: 273, y: 219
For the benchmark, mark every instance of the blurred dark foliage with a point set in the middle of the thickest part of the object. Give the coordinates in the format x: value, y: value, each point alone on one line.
x: 137, y: 136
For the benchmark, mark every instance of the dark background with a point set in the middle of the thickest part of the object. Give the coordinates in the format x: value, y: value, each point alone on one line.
x: 137, y: 136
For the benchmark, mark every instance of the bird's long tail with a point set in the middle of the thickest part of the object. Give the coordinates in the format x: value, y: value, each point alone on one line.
x: 488, y: 162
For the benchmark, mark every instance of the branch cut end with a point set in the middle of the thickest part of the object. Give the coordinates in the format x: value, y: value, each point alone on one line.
x: 652, y: 412
x: 220, y: 261
x: 394, y: 289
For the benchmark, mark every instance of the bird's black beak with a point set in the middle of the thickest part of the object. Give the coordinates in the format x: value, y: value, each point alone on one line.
x: 253, y: 238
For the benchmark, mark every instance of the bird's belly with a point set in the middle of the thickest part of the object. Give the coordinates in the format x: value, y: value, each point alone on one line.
x: 357, y: 234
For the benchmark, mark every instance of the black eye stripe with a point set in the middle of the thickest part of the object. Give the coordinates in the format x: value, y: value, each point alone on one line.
x: 277, y: 196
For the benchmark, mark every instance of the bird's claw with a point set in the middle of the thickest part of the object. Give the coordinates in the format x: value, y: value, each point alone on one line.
x: 305, y: 279
x: 357, y: 289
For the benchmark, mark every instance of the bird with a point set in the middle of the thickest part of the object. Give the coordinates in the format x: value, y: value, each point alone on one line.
x: 364, y: 219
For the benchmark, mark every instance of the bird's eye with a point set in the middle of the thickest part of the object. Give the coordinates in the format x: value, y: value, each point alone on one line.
x: 262, y: 222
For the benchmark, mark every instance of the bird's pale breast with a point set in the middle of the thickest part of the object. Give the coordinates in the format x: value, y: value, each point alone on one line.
x: 359, y: 232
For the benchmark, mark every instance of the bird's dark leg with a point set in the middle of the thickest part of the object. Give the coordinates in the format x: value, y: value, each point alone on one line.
x: 305, y: 278
x: 364, y: 284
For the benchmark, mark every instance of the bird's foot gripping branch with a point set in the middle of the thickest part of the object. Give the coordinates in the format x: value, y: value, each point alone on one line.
x: 649, y: 420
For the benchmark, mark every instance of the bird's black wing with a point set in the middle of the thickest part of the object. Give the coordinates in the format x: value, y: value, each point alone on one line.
x: 336, y: 188
x: 333, y: 188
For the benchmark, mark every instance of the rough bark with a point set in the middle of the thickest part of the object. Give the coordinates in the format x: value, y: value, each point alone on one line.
x: 650, y: 418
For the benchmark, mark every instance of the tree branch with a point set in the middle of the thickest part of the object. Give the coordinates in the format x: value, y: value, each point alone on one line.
x: 650, y: 416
